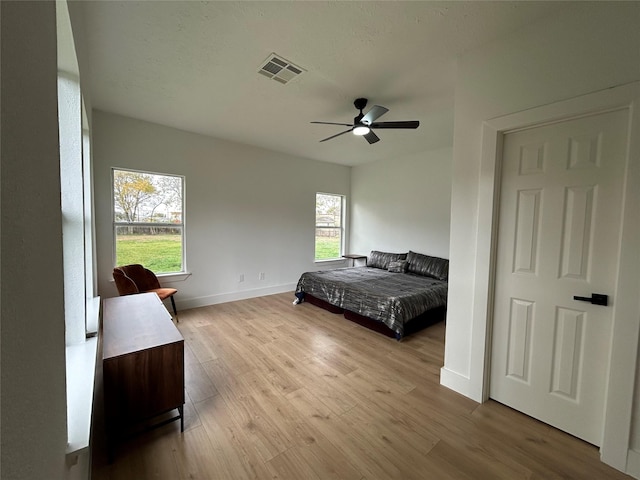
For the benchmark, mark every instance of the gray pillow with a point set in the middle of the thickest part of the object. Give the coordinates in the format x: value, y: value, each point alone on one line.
x: 381, y: 259
x: 428, y: 266
x: 398, y: 267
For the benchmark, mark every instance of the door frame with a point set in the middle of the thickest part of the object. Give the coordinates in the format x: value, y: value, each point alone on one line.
x: 626, y: 308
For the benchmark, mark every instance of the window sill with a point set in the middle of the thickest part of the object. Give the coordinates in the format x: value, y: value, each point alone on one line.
x: 81, y: 369
x: 167, y: 277
x: 331, y: 260
x: 81, y: 361
x: 173, y: 277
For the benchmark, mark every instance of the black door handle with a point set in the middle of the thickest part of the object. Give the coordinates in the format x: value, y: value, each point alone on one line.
x: 595, y: 299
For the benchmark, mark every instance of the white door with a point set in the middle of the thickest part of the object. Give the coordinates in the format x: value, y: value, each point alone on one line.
x: 558, y: 237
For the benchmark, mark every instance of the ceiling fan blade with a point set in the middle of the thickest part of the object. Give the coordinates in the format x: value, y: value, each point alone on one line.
x: 333, y: 123
x: 372, y: 115
x: 371, y: 137
x: 406, y: 124
x: 336, y: 135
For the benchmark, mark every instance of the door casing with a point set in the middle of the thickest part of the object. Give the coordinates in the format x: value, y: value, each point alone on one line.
x: 626, y: 308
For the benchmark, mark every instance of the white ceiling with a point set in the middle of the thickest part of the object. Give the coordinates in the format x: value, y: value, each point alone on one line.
x: 193, y: 66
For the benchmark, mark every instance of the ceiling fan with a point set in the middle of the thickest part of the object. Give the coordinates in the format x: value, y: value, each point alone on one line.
x: 363, y: 125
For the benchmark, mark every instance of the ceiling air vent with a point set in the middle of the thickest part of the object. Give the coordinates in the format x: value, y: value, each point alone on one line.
x: 279, y: 69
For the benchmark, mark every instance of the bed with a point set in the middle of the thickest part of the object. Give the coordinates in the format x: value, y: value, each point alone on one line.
x: 393, y: 294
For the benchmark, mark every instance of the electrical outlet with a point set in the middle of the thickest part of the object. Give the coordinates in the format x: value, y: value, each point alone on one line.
x: 261, y: 276
x: 241, y: 277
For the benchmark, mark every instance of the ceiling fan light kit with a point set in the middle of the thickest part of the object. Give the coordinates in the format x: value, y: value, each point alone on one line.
x: 361, y: 130
x: 363, y: 125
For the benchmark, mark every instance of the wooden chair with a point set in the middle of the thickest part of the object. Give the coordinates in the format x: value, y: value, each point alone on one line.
x: 131, y: 279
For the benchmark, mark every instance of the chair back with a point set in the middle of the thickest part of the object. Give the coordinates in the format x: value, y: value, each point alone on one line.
x: 134, y: 279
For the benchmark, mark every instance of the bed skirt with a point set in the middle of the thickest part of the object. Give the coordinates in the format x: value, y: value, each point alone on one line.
x: 430, y: 317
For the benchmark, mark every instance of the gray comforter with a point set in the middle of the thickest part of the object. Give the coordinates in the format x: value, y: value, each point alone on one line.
x: 391, y: 298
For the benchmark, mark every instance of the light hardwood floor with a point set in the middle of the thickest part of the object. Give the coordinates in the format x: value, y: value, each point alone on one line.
x: 277, y: 391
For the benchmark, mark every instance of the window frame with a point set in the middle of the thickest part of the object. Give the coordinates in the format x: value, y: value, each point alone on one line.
x: 342, y: 227
x: 180, y: 226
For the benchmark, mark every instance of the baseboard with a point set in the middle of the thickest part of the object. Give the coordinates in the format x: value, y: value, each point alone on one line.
x: 633, y: 464
x: 455, y: 381
x: 195, y: 302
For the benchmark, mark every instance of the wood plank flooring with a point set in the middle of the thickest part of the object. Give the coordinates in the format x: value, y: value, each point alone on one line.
x: 277, y: 391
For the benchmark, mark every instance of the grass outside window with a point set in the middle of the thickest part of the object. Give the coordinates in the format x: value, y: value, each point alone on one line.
x: 327, y: 248
x: 159, y: 253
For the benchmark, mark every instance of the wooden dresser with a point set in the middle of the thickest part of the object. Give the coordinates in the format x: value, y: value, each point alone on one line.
x: 143, y: 365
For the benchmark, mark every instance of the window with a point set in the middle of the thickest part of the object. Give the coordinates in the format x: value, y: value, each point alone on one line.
x: 148, y: 220
x: 74, y: 198
x: 329, y: 226
x: 81, y: 303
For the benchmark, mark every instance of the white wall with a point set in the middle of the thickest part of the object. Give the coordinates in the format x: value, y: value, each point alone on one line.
x: 589, y: 48
x: 248, y: 210
x: 561, y: 58
x: 402, y: 204
x: 33, y: 332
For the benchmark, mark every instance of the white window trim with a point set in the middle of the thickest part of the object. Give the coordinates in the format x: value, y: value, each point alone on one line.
x: 167, y: 276
x: 342, y: 227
